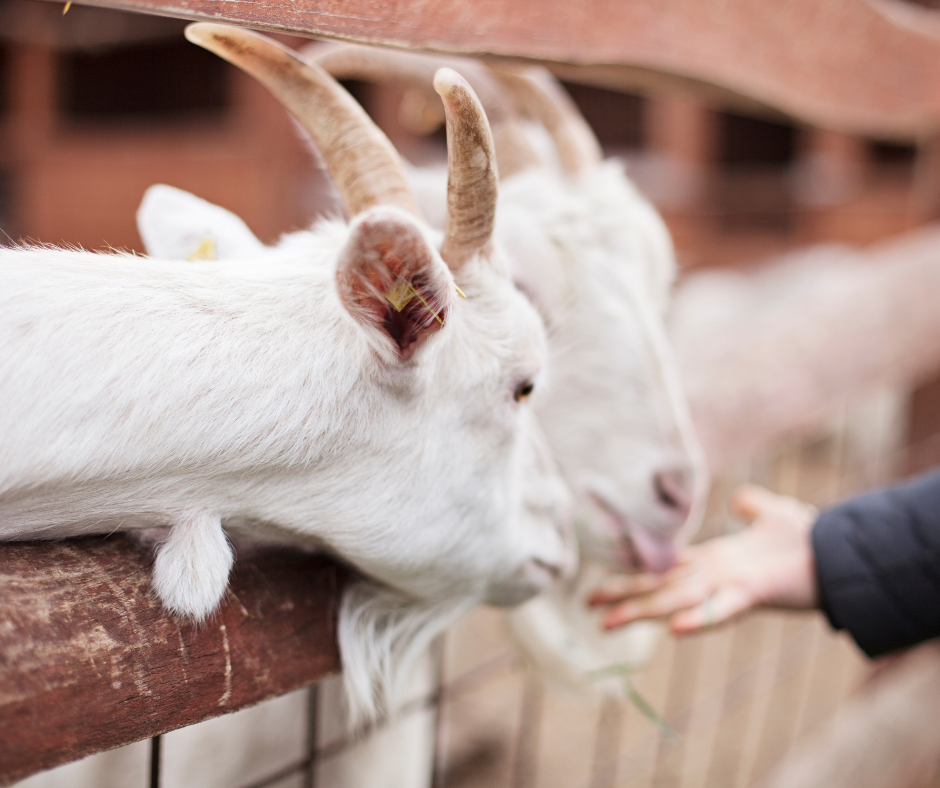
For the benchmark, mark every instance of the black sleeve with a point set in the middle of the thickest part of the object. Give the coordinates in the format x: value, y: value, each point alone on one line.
x: 878, y: 565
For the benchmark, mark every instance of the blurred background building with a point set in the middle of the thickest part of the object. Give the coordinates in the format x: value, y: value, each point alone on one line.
x: 97, y: 105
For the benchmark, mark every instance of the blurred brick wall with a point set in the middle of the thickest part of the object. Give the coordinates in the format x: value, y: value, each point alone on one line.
x: 69, y: 178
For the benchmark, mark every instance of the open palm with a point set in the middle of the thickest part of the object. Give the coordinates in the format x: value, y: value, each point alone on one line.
x: 768, y: 564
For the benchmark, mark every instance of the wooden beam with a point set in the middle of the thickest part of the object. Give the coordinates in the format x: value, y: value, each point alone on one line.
x: 89, y: 660
x: 859, y: 66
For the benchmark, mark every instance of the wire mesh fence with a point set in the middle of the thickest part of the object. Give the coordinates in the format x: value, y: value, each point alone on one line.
x: 738, y: 697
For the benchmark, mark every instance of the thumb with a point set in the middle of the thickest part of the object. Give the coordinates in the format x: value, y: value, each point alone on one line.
x: 751, y: 501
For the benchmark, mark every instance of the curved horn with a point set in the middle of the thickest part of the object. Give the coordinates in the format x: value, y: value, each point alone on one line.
x: 542, y: 98
x: 471, y: 171
x: 360, y: 159
x: 415, y: 70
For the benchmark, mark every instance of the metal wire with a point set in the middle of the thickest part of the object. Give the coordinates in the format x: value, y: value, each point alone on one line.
x: 467, y: 682
x: 155, y: 743
x: 290, y: 770
x: 607, y: 744
x: 525, y: 763
x: 310, y: 771
x: 437, y: 766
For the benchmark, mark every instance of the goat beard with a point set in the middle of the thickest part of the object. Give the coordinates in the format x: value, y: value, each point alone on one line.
x: 381, y: 636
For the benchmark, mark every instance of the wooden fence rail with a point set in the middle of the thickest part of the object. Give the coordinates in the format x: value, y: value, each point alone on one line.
x: 859, y: 66
x: 90, y: 661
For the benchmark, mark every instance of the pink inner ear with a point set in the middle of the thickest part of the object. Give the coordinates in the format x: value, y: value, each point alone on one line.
x: 420, y: 317
x: 381, y: 261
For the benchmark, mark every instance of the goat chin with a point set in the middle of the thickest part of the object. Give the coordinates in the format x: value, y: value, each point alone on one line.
x: 381, y: 636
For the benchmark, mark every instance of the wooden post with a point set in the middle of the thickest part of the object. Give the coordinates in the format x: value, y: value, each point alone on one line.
x: 682, y: 136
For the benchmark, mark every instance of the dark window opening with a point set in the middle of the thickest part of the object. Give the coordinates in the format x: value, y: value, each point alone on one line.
x: 152, y: 83
x: 892, y: 153
x: 752, y: 190
x: 749, y: 141
x: 618, y: 119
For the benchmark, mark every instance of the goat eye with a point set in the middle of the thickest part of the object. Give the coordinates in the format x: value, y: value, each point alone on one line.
x: 523, y: 390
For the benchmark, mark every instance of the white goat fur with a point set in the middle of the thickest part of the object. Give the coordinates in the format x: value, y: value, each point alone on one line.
x: 141, y: 392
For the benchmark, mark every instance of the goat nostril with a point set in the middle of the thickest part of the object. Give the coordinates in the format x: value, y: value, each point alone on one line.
x: 674, y: 490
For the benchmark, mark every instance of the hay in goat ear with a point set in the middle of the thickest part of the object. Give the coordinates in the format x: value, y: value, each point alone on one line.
x: 401, y: 292
x: 399, y: 295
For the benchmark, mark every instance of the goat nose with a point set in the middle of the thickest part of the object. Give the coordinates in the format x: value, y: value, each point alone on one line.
x: 674, y: 490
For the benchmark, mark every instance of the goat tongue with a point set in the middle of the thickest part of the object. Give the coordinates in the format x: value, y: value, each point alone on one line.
x: 655, y: 556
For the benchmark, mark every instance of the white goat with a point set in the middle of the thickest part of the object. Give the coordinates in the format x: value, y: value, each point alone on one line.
x: 333, y: 390
x: 596, y: 259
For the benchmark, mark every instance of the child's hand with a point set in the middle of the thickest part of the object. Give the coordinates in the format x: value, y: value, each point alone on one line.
x: 771, y: 563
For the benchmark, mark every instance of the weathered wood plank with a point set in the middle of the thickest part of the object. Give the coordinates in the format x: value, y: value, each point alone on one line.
x: 89, y: 660
x: 862, y: 66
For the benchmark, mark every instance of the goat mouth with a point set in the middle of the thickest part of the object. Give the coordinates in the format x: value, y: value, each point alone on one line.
x: 639, y: 550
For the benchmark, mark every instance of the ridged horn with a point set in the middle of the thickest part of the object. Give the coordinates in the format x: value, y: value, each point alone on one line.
x: 542, y: 98
x: 416, y: 70
x: 472, y: 173
x: 363, y: 164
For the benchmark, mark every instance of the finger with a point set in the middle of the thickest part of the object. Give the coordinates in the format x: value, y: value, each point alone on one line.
x: 623, y: 587
x: 724, y: 604
x: 657, y: 604
x: 626, y: 586
x: 751, y: 501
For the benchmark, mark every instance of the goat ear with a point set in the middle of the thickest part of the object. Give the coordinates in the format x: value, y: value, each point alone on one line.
x: 393, y: 282
x: 177, y: 225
